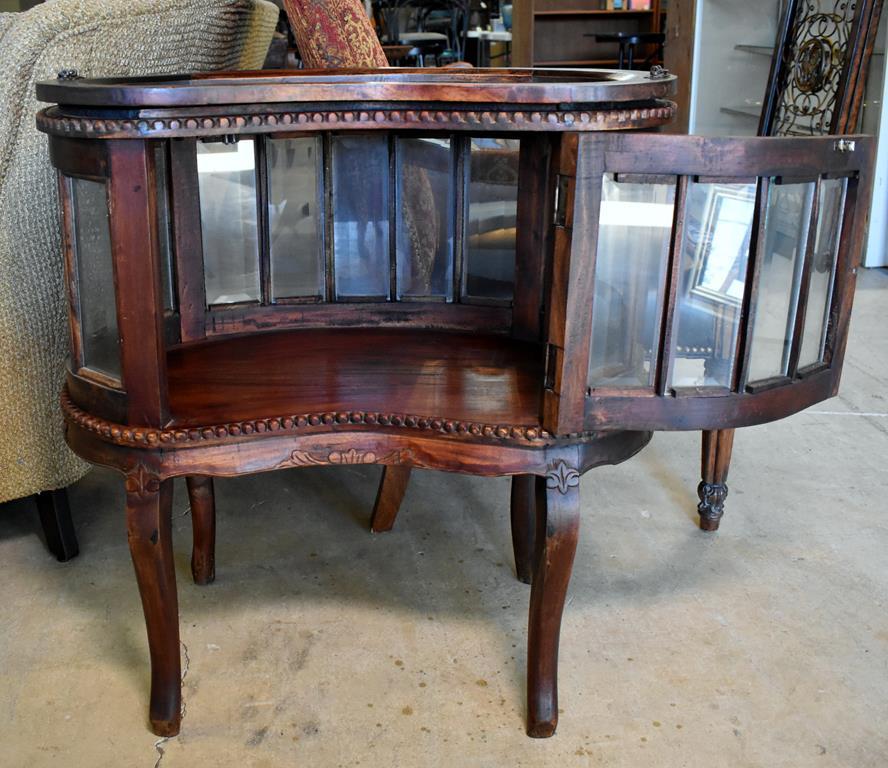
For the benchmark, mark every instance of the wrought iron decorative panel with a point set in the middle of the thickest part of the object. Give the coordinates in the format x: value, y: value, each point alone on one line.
x: 812, y: 67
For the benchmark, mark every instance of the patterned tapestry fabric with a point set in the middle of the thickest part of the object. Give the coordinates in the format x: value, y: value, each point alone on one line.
x: 334, y: 33
x: 112, y: 38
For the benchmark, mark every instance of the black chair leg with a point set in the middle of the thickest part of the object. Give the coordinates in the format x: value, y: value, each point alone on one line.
x: 55, y: 516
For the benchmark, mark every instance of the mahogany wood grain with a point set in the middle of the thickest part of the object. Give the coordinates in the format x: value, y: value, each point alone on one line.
x: 557, y: 528
x: 698, y: 409
x: 535, y: 240
x: 149, y: 530
x: 187, y: 236
x: 202, y: 500
x: 573, y: 366
x: 392, y: 487
x: 440, y: 316
x: 133, y: 219
x: 89, y: 394
x: 470, y: 377
x: 479, y: 86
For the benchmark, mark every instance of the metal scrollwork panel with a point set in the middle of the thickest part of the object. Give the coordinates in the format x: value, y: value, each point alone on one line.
x: 813, y: 64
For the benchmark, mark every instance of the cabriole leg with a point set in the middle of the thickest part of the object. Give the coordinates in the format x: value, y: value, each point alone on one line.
x: 392, y: 488
x: 149, y: 529
x: 557, y: 526
x: 202, y: 500
x: 523, y: 524
x: 713, y: 488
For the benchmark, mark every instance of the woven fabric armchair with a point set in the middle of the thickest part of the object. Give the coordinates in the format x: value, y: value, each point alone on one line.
x: 111, y: 38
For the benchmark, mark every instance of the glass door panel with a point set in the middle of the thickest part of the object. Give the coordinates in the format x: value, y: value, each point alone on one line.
x: 712, y: 281
x: 635, y: 232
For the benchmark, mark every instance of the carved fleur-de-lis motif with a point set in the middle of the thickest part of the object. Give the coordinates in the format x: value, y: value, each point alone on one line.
x: 561, y: 477
x: 141, y: 481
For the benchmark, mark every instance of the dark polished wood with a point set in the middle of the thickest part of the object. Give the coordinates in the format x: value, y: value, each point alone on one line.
x: 392, y: 487
x: 202, y: 499
x: 58, y: 528
x: 149, y: 530
x: 465, y: 377
x: 476, y: 85
x: 523, y: 514
x: 557, y: 528
x: 481, y: 384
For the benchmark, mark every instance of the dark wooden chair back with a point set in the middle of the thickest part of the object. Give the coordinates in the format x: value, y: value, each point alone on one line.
x: 818, y: 71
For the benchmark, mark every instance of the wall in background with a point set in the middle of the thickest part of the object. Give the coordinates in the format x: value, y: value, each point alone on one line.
x: 732, y: 59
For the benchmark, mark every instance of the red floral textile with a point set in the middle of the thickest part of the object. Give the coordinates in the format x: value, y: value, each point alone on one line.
x: 334, y: 33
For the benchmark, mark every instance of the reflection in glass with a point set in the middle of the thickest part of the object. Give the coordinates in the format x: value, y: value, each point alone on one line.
x: 782, y: 256
x: 95, y: 278
x: 826, y: 245
x: 425, y: 231
x: 227, y: 180
x: 492, y: 212
x: 633, y: 245
x: 164, y: 226
x: 294, y: 206
x: 360, y: 216
x: 714, y: 253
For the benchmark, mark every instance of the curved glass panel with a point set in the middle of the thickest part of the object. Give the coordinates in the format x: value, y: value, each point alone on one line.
x: 294, y: 217
x: 634, y: 236
x: 228, y: 220
x: 489, y: 271
x: 425, y: 226
x: 831, y: 204
x: 361, y: 216
x: 714, y: 254
x: 100, y: 341
x: 787, y: 221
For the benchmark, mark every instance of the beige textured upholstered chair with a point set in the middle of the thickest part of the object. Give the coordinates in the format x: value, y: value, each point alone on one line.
x: 97, y: 39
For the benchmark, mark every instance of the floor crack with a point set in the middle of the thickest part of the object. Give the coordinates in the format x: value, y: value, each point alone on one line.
x: 158, y: 745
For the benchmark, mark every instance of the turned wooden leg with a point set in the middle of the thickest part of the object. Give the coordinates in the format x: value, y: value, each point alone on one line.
x: 203, y: 525
x: 713, y: 488
x: 557, y: 526
x: 149, y: 528
x: 55, y: 517
x: 392, y: 488
x: 523, y: 524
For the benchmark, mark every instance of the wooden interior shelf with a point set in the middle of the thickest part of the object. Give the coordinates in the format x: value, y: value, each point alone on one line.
x: 466, y: 377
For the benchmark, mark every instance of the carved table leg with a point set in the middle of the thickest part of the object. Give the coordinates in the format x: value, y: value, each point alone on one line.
x: 557, y: 526
x: 713, y: 489
x: 55, y: 517
x: 149, y: 529
x: 202, y: 500
x: 392, y: 488
x: 523, y: 524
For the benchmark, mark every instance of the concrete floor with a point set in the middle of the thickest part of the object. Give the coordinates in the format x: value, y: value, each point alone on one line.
x: 321, y: 645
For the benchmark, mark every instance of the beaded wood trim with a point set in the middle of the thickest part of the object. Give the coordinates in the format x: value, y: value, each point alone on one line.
x: 53, y: 120
x: 147, y: 436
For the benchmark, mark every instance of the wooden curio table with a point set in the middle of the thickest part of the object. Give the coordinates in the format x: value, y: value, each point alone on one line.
x: 477, y: 271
